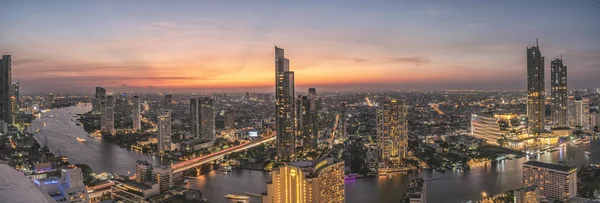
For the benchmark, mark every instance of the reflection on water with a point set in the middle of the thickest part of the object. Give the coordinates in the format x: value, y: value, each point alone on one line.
x: 60, y: 135
x: 452, y: 186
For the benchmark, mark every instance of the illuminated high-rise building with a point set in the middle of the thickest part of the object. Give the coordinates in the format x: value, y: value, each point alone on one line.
x: 202, y: 112
x: 555, y: 181
x: 582, y: 112
x: 137, y: 114
x: 535, y: 89
x: 560, y: 97
x: 99, y: 97
x: 306, y: 120
x: 15, y: 98
x: 164, y: 131
x: 107, y: 119
x: 392, y: 132
x: 5, y: 89
x: 319, y: 180
x: 284, y: 106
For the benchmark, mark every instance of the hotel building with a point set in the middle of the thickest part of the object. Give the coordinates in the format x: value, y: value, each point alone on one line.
x: 315, y: 181
x: 555, y: 181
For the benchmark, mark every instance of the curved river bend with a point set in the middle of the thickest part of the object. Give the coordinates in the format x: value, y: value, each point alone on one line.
x: 60, y: 132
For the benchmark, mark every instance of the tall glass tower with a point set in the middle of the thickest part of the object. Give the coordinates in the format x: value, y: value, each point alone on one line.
x: 560, y: 98
x: 284, y: 106
x: 535, y: 89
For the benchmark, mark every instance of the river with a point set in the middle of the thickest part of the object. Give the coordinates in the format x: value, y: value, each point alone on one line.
x: 60, y: 132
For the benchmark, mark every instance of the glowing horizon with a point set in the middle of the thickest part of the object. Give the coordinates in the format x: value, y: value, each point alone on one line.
x: 199, y: 46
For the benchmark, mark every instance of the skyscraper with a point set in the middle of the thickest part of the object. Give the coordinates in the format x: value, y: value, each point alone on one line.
x: 302, y: 121
x: 99, y: 97
x: 5, y: 89
x: 535, y: 89
x: 15, y: 98
x: 560, y: 97
x: 202, y: 112
x: 284, y: 106
x: 207, y: 118
x: 137, y: 124
x: 195, y: 117
x: 107, y: 119
x: 306, y: 121
x: 319, y: 180
x: 164, y: 131
x: 229, y: 119
x: 392, y: 133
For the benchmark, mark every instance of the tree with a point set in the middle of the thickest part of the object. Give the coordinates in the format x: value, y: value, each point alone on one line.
x: 87, y: 173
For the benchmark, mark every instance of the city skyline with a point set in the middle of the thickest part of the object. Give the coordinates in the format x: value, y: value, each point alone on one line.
x: 228, y: 47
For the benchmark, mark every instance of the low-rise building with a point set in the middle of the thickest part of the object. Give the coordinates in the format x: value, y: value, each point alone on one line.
x: 529, y: 194
x: 133, y: 192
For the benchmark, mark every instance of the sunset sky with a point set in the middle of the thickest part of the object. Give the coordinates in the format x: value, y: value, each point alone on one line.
x: 198, y: 46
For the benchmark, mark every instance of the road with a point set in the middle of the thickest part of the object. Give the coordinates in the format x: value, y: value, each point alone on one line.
x: 192, y: 163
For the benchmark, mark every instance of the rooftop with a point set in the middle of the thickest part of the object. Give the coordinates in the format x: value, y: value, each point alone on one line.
x: 18, y: 188
x: 558, y: 167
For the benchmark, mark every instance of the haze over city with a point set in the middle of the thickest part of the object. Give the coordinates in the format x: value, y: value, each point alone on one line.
x: 199, y: 46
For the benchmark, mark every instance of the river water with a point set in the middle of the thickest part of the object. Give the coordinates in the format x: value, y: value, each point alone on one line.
x: 60, y: 132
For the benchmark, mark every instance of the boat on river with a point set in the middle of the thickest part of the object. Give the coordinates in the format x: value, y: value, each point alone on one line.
x: 80, y: 140
x: 237, y: 197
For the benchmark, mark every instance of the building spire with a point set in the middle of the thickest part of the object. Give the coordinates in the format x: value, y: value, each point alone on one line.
x: 536, y: 42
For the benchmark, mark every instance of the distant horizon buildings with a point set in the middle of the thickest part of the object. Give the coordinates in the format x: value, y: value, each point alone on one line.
x: 137, y: 123
x: 285, y: 106
x: 535, y: 89
x: 164, y: 130
x: 5, y: 89
x: 559, y: 93
x: 392, y: 133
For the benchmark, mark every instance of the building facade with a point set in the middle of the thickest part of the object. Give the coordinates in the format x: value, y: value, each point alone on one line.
x: 284, y: 106
x: 15, y: 98
x: 202, y: 112
x: 163, y: 176
x: 143, y: 171
x: 99, y: 98
x: 316, y: 181
x: 485, y: 127
x: 68, y: 187
x: 559, y: 94
x: 392, y: 133
x: 164, y: 131
x: 137, y: 114
x: 535, y: 89
x: 5, y: 89
x: 555, y: 181
x: 107, y: 118
x: 229, y: 119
